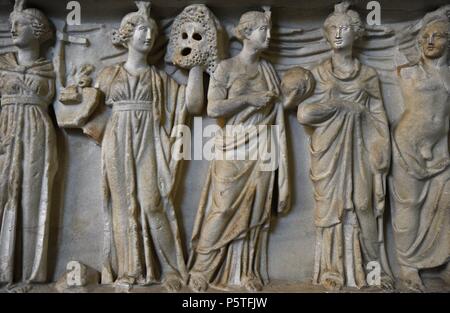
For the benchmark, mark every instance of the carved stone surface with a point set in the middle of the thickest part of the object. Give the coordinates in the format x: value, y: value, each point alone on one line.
x: 142, y: 242
x: 229, y: 242
x: 28, y: 160
x: 89, y: 138
x: 77, y: 277
x: 80, y: 101
x: 420, y: 177
x: 350, y: 152
x: 196, y: 38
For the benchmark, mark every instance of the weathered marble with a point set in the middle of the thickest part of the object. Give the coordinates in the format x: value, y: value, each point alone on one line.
x: 229, y: 240
x: 77, y: 210
x: 28, y: 160
x: 420, y: 187
x: 350, y: 155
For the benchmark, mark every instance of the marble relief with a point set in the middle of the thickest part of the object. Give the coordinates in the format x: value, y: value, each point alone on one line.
x: 420, y: 172
x: 142, y: 242
x: 28, y: 159
x: 229, y: 242
x: 369, y: 102
x: 350, y: 155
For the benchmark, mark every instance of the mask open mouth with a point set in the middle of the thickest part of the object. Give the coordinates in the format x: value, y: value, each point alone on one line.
x: 186, y: 51
x: 195, y: 39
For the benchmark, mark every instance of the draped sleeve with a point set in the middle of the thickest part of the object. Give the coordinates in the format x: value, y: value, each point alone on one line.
x: 170, y: 115
x: 318, y: 108
x: 377, y: 130
x: 96, y: 126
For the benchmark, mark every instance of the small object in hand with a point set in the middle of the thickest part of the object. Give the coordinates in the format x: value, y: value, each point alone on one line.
x: 70, y: 95
x: 298, y: 83
x: 73, y: 94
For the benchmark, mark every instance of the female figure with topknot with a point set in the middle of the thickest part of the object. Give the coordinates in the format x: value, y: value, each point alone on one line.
x: 142, y: 243
x: 350, y: 157
x: 28, y: 160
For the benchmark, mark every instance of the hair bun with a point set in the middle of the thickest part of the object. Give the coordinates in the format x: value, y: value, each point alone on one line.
x: 341, y: 7
x: 115, y: 37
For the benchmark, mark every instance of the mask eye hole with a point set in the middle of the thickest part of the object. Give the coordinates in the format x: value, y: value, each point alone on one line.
x: 184, y: 35
x: 197, y: 36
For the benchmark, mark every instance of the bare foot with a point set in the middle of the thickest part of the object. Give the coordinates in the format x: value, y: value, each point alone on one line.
x: 124, y: 284
x: 172, y: 282
x: 198, y: 283
x: 387, y: 283
x: 253, y: 285
x: 332, y: 284
x: 410, y: 279
x: 142, y: 281
x: 19, y: 288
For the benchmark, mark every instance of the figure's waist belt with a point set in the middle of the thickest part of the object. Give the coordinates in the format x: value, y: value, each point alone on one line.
x: 132, y: 106
x: 23, y: 100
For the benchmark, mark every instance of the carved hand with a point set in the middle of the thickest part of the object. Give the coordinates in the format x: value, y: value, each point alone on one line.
x: 314, y: 113
x: 261, y: 99
x: 293, y: 99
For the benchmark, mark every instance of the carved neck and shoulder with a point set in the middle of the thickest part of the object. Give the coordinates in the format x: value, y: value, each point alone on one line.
x: 433, y: 65
x: 343, y: 62
x: 136, y: 62
x: 249, y: 55
x: 425, y: 74
x: 28, y: 55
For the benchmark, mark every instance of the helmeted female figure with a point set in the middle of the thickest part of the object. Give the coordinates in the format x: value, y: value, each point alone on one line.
x: 142, y: 239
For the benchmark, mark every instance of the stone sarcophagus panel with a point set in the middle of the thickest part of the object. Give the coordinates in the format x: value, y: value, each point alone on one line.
x: 123, y: 126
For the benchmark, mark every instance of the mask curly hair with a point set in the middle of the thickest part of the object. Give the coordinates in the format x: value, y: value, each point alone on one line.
x: 248, y: 22
x: 341, y: 11
x: 213, y: 53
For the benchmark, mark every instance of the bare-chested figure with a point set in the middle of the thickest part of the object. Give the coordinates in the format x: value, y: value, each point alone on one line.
x: 421, y: 173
